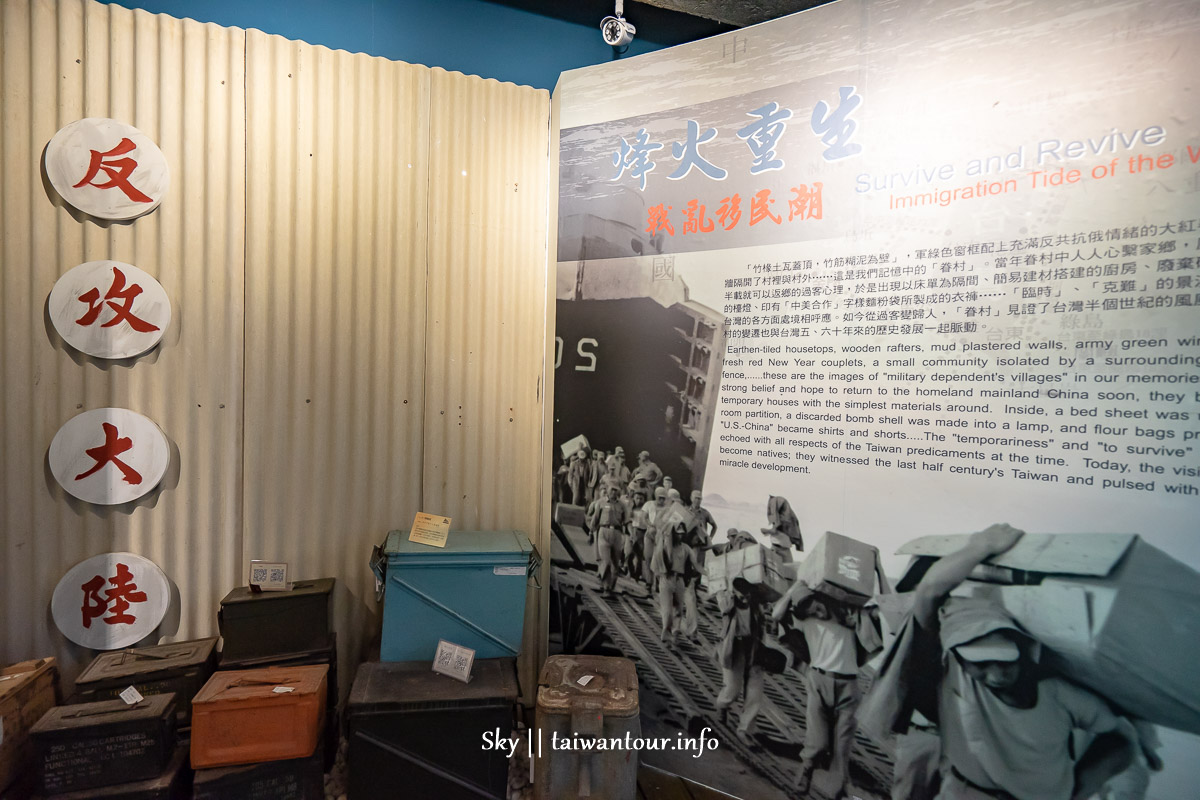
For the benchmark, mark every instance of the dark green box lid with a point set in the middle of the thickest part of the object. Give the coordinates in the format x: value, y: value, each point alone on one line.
x: 242, y: 594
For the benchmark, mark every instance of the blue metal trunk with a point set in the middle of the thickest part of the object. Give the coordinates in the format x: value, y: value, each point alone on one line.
x: 471, y: 593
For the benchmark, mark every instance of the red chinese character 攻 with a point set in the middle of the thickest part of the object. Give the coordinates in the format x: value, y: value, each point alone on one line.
x: 117, y: 169
x: 122, y: 310
x: 112, y: 447
x: 123, y: 592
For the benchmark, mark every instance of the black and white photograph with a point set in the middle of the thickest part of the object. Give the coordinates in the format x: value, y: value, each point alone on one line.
x: 869, y: 449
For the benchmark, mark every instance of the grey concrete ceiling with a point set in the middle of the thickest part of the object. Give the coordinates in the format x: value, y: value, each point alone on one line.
x: 738, y: 13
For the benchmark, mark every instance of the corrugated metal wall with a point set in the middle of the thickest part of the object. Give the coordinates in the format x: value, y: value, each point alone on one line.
x: 384, y: 226
x: 182, y: 84
x: 485, y: 335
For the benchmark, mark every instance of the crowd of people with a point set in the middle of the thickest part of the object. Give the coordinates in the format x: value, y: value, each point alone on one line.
x: 961, y: 687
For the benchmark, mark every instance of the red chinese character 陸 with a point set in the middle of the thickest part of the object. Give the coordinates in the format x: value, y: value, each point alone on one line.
x: 93, y: 604
x: 112, y: 447
x: 117, y: 600
x: 117, y: 169
x: 120, y: 300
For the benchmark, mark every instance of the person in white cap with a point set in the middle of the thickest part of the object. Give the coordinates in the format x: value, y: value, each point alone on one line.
x: 1006, y: 724
x: 647, y: 471
x: 577, y: 474
x: 617, y: 466
x: 609, y: 520
x: 656, y: 515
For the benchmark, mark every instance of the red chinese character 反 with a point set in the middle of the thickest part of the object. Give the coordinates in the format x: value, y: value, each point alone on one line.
x: 118, y: 599
x: 112, y: 447
x: 117, y: 169
x: 122, y: 310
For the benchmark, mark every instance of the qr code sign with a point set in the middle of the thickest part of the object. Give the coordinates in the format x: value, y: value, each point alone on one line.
x: 453, y: 660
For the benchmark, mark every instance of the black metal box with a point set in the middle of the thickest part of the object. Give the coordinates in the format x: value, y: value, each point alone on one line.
x: 180, y: 667
x: 293, y: 779
x: 410, y: 727
x: 321, y: 655
x: 100, y: 744
x: 173, y: 784
x: 258, y: 624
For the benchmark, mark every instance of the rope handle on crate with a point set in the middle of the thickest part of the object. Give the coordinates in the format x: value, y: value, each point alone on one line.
x: 96, y: 713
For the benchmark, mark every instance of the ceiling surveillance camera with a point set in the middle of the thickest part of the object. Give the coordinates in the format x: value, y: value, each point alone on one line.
x: 617, y: 31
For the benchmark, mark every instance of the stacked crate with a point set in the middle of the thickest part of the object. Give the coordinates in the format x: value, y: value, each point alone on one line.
x: 179, y: 667
x: 410, y: 727
x: 257, y: 734
x: 27, y: 690
x: 265, y: 726
x: 110, y: 748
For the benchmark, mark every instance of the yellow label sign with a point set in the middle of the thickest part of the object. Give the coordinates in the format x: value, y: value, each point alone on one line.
x: 430, y: 529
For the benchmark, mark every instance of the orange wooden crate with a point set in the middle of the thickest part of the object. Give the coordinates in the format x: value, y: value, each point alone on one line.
x: 253, y: 715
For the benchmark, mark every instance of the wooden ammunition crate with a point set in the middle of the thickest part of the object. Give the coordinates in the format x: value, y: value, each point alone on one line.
x: 179, y: 667
x: 246, y: 716
x: 92, y: 745
x: 27, y: 691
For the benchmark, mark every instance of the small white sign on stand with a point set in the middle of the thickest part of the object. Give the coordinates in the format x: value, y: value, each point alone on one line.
x: 269, y: 576
x: 454, y: 660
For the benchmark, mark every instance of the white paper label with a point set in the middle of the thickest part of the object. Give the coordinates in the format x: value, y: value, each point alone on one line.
x: 585, y: 680
x: 283, y: 689
x: 508, y: 570
x: 132, y: 696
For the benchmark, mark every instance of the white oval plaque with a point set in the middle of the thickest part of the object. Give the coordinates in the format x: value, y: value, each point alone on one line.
x: 109, y: 456
x: 109, y: 309
x: 107, y: 169
x: 110, y: 601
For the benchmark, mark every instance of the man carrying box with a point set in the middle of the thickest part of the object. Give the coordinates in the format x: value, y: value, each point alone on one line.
x: 836, y: 649
x: 1006, y: 726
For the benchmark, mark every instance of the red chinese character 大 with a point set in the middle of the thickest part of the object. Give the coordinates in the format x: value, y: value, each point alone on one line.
x: 118, y: 599
x: 120, y: 300
x: 118, y: 171
x: 113, y: 446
